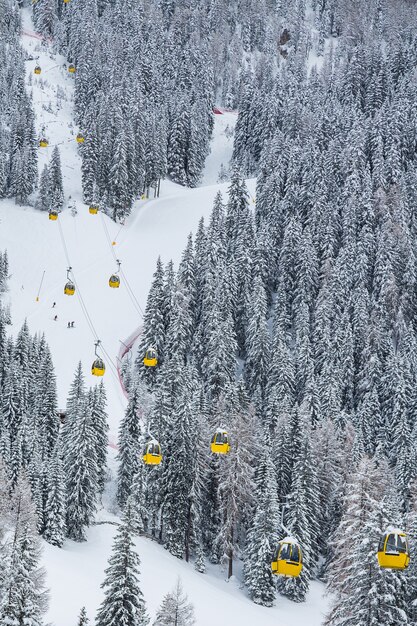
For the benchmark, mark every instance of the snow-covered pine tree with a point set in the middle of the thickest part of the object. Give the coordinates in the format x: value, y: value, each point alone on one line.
x: 178, y: 474
x: 411, y: 521
x: 45, y: 404
x: 55, y: 507
x: 364, y: 592
x: 123, y: 600
x: 178, y: 144
x: 257, y: 342
x: 76, y: 398
x: 56, y: 189
x: 44, y: 202
x: 79, y: 462
x: 263, y: 534
x: 83, y: 619
x: 235, y: 486
x: 302, y: 514
x: 130, y: 446
x: 25, y: 599
x: 153, y: 332
x: 97, y: 403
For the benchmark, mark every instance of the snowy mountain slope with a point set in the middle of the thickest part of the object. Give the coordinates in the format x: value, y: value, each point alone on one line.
x: 221, y: 146
x: 156, y: 227
x: 36, y: 245
x: 76, y: 571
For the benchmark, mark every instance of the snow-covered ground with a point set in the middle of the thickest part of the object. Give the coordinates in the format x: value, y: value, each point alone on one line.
x: 37, y: 245
x: 221, y: 147
x: 76, y: 571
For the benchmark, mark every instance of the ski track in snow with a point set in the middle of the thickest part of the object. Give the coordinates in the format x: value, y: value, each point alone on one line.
x: 155, y: 227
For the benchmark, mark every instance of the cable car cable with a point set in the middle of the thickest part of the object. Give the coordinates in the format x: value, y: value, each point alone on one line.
x: 128, y: 287
x: 117, y: 235
x: 113, y: 367
x: 132, y: 295
x: 40, y: 286
x: 107, y: 235
x: 64, y: 244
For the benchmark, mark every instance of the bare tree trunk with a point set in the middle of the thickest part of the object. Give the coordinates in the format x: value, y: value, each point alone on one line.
x: 230, y: 557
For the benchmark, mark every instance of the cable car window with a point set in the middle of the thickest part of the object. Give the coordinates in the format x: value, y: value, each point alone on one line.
x: 285, y: 553
x: 221, y: 438
x: 381, y: 545
x: 295, y: 553
x: 401, y: 544
x: 391, y: 545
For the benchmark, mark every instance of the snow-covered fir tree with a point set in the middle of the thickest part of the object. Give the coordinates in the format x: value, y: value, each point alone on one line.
x: 83, y: 619
x: 55, y: 508
x: 79, y: 461
x: 123, y: 600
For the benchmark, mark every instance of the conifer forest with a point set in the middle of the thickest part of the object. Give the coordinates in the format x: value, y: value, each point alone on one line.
x: 208, y: 312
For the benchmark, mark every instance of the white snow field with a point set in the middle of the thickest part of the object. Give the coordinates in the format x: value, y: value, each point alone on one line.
x: 156, y: 227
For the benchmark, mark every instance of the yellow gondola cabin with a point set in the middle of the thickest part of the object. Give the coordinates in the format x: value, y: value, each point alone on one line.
x: 220, y: 442
x: 98, y: 368
x: 151, y: 358
x: 393, y: 551
x: 69, y: 288
x: 288, y: 558
x: 114, y: 281
x: 152, y: 453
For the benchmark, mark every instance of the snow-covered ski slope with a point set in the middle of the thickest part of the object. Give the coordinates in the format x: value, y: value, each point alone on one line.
x: 75, y: 573
x: 37, y: 245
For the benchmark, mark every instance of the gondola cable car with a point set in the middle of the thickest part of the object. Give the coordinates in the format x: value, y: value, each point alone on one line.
x: 393, y: 550
x: 152, y: 454
x: 98, y: 368
x: 288, y: 558
x: 151, y: 357
x: 220, y: 442
x: 69, y: 288
x: 43, y: 141
x: 114, y: 280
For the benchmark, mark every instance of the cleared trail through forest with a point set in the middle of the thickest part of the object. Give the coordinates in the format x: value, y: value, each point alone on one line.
x: 156, y: 227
